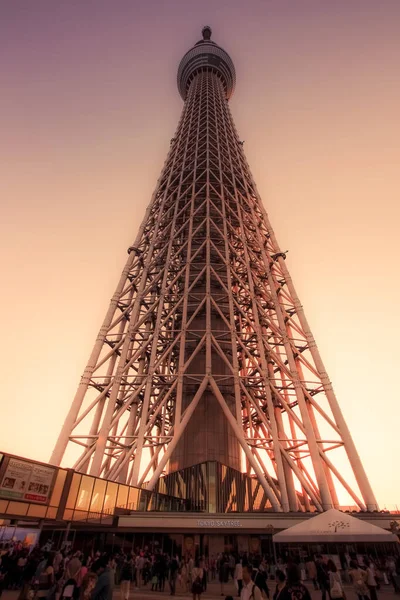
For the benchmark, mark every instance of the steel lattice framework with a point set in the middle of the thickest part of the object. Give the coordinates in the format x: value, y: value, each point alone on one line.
x: 205, y: 332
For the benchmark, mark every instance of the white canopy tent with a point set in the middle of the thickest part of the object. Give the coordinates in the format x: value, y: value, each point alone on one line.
x: 334, y: 526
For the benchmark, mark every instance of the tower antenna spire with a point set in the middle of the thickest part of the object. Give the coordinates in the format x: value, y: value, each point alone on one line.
x: 206, y: 32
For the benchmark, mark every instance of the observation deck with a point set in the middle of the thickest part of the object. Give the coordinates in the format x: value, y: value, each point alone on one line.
x: 206, y: 55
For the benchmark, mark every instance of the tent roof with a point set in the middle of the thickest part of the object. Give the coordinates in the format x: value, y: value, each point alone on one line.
x: 334, y: 526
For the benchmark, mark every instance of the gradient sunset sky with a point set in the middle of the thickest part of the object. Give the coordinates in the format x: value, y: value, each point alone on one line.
x: 88, y: 105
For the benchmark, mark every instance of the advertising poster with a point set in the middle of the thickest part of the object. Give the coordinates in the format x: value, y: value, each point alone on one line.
x: 26, y: 481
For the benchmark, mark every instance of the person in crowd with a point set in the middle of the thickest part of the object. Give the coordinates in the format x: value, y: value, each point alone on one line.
x: 371, y: 580
x: 173, y: 574
x: 238, y: 575
x: 250, y: 590
x: 311, y: 569
x: 259, y: 577
x: 126, y: 577
x: 223, y: 571
x: 335, y: 582
x: 391, y: 570
x: 280, y: 578
x: 27, y: 577
x: 293, y: 587
x: 46, y: 581
x: 73, y: 567
x: 358, y: 578
x: 154, y: 580
x: 183, y: 577
x: 197, y: 581
x: 88, y: 585
x: 213, y: 567
x: 322, y: 576
x: 21, y: 564
x: 232, y: 564
x: 139, y: 570
x: 203, y: 565
x: 81, y: 575
x: 104, y: 587
x: 57, y: 563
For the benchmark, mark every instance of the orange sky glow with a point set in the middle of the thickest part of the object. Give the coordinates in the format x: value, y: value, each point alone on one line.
x: 88, y: 107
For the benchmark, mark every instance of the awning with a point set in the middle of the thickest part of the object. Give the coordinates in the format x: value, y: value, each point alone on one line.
x: 334, y: 526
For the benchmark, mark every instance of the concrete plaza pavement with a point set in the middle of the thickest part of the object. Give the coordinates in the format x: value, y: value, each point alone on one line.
x: 214, y: 592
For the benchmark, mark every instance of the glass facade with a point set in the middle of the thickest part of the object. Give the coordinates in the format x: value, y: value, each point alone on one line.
x: 81, y: 498
x: 215, y: 488
x: 97, y: 500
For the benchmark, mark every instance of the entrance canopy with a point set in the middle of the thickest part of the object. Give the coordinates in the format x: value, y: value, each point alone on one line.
x: 334, y: 526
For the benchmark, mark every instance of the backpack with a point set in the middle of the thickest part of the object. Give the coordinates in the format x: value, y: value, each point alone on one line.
x: 252, y: 591
x: 336, y: 589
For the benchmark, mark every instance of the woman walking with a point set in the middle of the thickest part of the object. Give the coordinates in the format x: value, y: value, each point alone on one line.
x: 197, y: 579
x: 126, y: 577
x: 358, y: 578
x: 47, y: 587
x: 238, y: 575
x: 280, y: 583
x: 335, y: 582
x: 371, y: 580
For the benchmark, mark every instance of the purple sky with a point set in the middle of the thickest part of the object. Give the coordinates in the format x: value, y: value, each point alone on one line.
x: 88, y: 105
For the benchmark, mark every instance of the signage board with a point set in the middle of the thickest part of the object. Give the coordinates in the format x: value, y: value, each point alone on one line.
x: 160, y: 521
x: 26, y: 481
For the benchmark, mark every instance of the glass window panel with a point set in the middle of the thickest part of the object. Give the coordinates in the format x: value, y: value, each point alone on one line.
x: 85, y: 493
x: 51, y: 512
x: 99, y: 491
x: 58, y: 488
x: 94, y: 517
x: 80, y: 515
x: 17, y: 508
x: 122, y: 495
x: 68, y: 514
x: 133, y: 498
x: 212, y: 491
x: 73, y: 491
x: 111, y: 497
x: 37, y: 511
x: 144, y: 501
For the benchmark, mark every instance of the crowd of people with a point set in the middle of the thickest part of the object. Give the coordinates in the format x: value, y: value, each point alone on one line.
x: 40, y: 574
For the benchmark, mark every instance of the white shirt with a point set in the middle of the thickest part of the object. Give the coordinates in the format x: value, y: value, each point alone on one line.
x: 371, y: 576
x: 239, y: 571
x: 247, y: 590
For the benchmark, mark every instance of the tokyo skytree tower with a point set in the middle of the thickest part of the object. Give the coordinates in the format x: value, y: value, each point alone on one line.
x: 205, y: 354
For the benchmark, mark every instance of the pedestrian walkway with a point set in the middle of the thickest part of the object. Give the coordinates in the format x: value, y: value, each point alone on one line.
x: 214, y: 593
